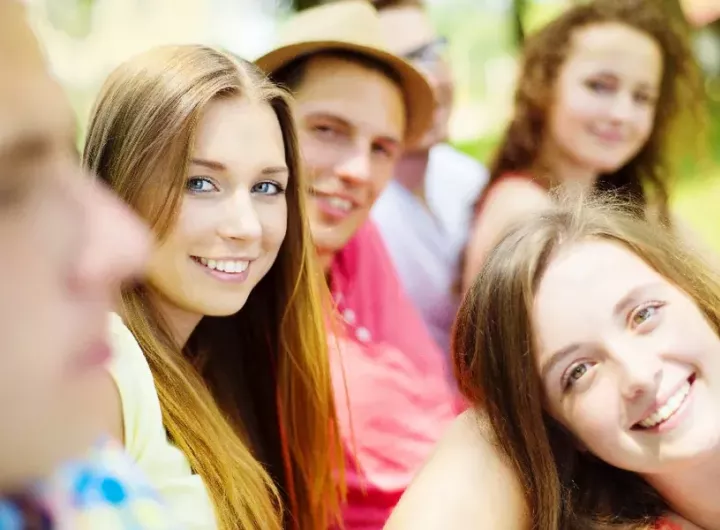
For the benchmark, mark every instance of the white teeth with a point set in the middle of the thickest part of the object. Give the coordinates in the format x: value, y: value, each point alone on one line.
x: 229, y: 266
x: 668, y: 409
x: 340, y: 204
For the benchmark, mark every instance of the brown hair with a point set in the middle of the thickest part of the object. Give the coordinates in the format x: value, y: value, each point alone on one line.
x: 249, y: 398
x: 291, y: 75
x: 493, y: 353
x: 544, y: 54
x: 395, y: 4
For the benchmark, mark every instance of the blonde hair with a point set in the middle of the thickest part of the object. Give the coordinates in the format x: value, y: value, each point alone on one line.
x: 493, y: 353
x: 255, y: 386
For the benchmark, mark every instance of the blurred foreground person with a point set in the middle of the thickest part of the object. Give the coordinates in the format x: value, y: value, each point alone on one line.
x: 67, y: 246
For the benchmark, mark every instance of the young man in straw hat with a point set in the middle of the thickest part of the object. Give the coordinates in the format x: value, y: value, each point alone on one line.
x: 358, y: 107
x: 435, y: 186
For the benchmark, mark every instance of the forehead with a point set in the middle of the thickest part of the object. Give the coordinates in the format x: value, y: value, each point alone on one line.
x: 616, y: 47
x: 584, y: 282
x: 239, y: 132
x: 32, y: 105
x: 363, y: 97
x: 406, y: 28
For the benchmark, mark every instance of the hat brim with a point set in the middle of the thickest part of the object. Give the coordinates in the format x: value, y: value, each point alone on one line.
x: 419, y: 98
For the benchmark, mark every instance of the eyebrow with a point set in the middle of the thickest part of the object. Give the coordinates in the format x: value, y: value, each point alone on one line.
x: 630, y: 299
x: 558, y: 357
x: 219, y: 166
x: 609, y: 73
x: 24, y: 149
x: 347, y: 124
x: 633, y: 297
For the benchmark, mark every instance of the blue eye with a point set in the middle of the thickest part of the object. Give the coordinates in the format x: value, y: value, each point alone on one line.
x: 200, y: 185
x: 268, y: 188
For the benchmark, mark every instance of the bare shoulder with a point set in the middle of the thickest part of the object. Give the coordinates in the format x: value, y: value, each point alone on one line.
x: 466, y: 485
x: 507, y: 202
x: 511, y: 198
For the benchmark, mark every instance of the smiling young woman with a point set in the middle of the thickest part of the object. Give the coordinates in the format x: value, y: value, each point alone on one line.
x: 589, y: 346
x: 601, y: 92
x: 227, y: 326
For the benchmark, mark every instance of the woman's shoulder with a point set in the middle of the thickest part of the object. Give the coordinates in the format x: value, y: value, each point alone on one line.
x: 145, y: 436
x: 466, y: 484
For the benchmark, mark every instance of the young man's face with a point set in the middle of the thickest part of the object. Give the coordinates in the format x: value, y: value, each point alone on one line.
x: 351, y: 122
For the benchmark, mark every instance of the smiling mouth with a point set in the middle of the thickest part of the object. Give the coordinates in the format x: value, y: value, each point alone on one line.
x: 226, y: 266
x: 668, y: 410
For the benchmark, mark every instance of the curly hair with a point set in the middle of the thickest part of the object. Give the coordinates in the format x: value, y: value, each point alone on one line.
x: 647, y: 173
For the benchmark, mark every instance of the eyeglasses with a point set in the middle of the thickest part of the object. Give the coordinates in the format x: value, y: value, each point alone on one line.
x: 429, y: 53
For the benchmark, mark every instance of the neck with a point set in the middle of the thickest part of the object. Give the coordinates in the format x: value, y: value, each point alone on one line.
x: 181, y: 322
x: 326, y: 259
x: 693, y: 493
x: 557, y: 168
x: 410, y: 172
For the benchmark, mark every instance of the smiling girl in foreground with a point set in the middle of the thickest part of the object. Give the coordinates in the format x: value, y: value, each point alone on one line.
x: 589, y: 344
x: 228, y: 319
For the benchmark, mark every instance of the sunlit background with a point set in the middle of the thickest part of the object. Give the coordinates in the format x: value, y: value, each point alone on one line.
x: 85, y: 39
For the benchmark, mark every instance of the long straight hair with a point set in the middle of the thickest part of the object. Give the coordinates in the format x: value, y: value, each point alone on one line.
x: 494, y: 357
x: 249, y: 398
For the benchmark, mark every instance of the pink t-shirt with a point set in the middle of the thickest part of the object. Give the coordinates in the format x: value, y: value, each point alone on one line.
x: 393, y: 398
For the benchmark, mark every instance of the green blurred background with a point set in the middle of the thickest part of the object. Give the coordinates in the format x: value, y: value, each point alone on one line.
x: 85, y: 39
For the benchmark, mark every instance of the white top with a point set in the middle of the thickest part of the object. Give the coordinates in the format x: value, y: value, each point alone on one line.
x: 425, y: 245
x: 146, y: 439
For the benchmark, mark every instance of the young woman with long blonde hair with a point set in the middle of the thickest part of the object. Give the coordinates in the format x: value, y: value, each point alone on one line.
x: 227, y: 325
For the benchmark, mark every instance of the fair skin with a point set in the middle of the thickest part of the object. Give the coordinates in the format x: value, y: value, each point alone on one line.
x: 67, y: 246
x: 603, y: 114
x: 465, y: 485
x: 410, y: 34
x: 631, y: 367
x: 612, y: 349
x: 233, y: 216
x: 232, y: 220
x: 351, y: 123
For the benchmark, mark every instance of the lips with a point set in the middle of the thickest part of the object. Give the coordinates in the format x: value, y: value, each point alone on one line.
x: 666, y: 411
x: 229, y: 266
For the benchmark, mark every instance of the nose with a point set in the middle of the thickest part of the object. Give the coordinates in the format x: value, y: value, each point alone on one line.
x: 640, y: 371
x: 623, y: 107
x: 240, y: 219
x: 355, y: 168
x: 115, y: 243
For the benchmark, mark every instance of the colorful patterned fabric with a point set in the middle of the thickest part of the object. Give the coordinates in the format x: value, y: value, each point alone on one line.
x: 104, y: 491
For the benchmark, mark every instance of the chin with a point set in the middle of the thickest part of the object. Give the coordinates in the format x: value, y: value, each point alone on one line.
x: 225, y: 310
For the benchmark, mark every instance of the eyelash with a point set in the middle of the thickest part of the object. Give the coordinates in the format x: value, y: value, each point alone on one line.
x: 567, y: 382
x: 199, y: 179
x: 279, y: 189
x: 653, y: 304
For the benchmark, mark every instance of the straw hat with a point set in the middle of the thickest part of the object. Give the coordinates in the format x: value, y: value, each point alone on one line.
x: 353, y: 25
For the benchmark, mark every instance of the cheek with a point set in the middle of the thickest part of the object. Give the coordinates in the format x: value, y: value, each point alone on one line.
x: 382, y: 172
x: 315, y: 155
x: 593, y: 417
x: 576, y: 110
x: 645, y: 122
x: 273, y: 219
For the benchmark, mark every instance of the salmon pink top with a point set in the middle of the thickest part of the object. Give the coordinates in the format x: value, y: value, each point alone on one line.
x: 393, y: 398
